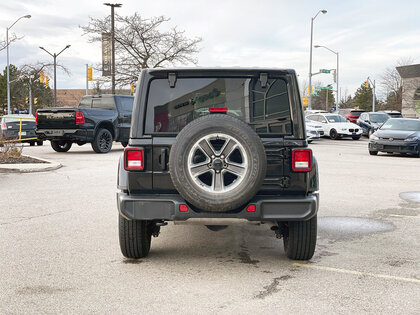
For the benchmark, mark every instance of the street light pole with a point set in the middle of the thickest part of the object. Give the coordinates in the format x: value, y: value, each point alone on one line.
x: 54, y: 55
x: 8, y: 66
x: 310, y: 58
x: 373, y: 92
x: 337, y: 72
x: 113, y: 5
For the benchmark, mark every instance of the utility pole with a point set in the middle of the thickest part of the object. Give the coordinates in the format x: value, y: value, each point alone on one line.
x: 113, y: 5
x: 55, y: 69
x: 310, y: 58
x: 30, y: 93
x: 336, y: 73
x: 87, y: 79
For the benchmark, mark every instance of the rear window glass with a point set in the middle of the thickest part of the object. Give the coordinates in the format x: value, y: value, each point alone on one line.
x: 85, y: 102
x: 103, y: 103
x: 267, y: 109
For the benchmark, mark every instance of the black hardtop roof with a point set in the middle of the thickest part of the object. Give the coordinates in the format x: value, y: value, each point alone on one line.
x: 235, y: 71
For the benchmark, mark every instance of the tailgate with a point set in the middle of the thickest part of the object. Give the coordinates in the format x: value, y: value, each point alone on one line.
x: 63, y: 118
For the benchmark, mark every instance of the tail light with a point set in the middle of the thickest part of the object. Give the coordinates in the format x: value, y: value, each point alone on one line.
x: 3, y: 126
x: 80, y: 118
x: 134, y: 159
x: 36, y: 118
x: 218, y: 110
x: 302, y: 160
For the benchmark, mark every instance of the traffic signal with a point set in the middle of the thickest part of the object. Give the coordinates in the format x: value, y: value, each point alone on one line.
x: 311, y: 89
x: 27, y: 100
x: 35, y: 100
x: 334, y: 74
x: 132, y: 87
x: 90, y: 74
x: 366, y: 84
x: 41, y: 76
x: 47, y: 81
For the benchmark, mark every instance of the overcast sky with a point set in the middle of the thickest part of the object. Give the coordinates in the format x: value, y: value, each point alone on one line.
x: 369, y: 35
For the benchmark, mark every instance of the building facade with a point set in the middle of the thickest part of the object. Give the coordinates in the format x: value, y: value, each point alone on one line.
x: 411, y: 90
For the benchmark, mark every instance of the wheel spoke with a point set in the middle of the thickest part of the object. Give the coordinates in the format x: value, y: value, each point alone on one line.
x: 217, y: 181
x: 198, y: 169
x: 228, y: 147
x: 206, y: 148
x: 236, y: 169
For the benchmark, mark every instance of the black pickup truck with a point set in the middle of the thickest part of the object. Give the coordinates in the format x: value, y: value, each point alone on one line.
x: 99, y: 120
x: 218, y: 147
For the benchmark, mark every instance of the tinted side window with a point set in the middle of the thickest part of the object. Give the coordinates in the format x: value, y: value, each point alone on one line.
x: 125, y: 104
x: 103, y: 103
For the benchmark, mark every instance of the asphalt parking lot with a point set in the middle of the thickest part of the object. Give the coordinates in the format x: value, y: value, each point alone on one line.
x: 59, y: 249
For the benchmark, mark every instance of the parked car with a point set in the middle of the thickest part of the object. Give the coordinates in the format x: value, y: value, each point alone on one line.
x: 336, y: 126
x: 397, y: 135
x: 10, y: 126
x: 209, y: 146
x: 314, y: 111
x: 350, y: 114
x: 314, y: 130
x: 371, y: 121
x: 392, y: 113
x: 98, y: 120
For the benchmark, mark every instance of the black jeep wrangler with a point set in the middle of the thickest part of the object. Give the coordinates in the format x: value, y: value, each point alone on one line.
x: 218, y: 147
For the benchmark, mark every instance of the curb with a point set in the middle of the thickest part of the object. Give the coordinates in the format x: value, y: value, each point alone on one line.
x: 30, y: 167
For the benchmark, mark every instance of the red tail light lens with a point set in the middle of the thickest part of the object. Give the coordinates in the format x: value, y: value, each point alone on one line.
x: 222, y: 110
x: 250, y: 208
x: 36, y: 118
x: 3, y: 126
x: 302, y: 160
x: 134, y: 159
x: 80, y: 118
x: 183, y: 208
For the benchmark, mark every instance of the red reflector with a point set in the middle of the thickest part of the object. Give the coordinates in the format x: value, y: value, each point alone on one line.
x: 250, y: 208
x: 218, y: 110
x: 134, y: 159
x: 183, y: 208
x: 302, y: 160
x: 80, y: 118
x: 36, y: 118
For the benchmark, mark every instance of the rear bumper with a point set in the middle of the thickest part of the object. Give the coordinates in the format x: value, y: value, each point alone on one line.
x: 267, y: 208
x: 14, y: 135
x: 65, y: 134
x: 395, y: 146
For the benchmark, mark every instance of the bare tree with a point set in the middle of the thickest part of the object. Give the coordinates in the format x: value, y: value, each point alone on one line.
x: 139, y: 44
x: 391, y: 82
x: 12, y: 38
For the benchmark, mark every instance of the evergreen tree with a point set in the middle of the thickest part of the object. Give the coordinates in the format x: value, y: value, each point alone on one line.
x: 363, y: 97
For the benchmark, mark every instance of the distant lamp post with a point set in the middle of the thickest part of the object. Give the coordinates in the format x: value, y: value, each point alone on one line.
x: 337, y: 54
x: 310, y: 57
x: 7, y: 47
x: 55, y: 69
x: 113, y: 5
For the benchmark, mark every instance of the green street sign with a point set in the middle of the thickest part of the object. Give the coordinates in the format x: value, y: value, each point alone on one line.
x: 323, y: 88
x: 315, y: 94
x: 324, y: 70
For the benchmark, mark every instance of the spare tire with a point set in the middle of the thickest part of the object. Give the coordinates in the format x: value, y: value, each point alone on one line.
x: 217, y: 163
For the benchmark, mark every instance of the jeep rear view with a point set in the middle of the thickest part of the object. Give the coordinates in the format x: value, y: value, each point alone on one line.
x: 218, y: 147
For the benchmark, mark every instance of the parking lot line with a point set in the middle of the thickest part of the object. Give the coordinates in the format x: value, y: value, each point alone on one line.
x: 403, y: 216
x: 358, y: 273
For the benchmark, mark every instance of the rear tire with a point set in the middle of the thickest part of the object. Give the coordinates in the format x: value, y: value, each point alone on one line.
x: 103, y: 141
x: 373, y: 152
x: 135, y: 237
x: 40, y: 143
x: 61, y: 146
x: 333, y: 134
x: 299, y: 239
x: 32, y: 143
